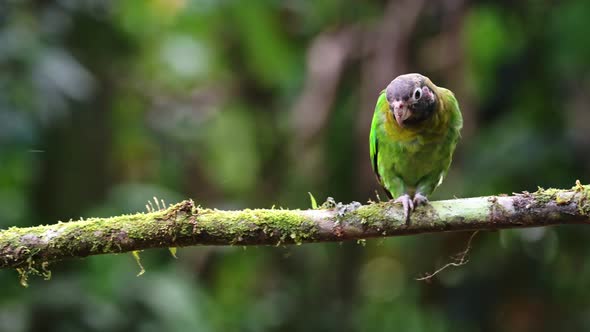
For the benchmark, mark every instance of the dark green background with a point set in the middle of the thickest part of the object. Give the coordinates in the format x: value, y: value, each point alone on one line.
x: 105, y: 104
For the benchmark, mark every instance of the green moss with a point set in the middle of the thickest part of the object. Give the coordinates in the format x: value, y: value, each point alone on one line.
x: 32, y: 268
x: 584, y: 195
x: 544, y: 196
x: 578, y: 194
x: 137, y: 258
x: 372, y: 213
x: 287, y: 225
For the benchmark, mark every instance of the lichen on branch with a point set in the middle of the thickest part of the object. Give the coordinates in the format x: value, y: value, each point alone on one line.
x: 184, y: 224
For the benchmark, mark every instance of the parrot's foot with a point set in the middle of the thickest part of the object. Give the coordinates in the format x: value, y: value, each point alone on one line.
x: 420, y: 199
x: 408, y: 205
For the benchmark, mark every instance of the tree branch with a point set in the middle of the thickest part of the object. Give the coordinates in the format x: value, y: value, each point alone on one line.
x: 184, y: 224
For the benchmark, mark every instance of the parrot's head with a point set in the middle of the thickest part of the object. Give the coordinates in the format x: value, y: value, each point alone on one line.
x: 411, y: 99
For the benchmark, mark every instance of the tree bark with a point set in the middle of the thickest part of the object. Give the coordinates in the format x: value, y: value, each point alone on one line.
x: 185, y: 224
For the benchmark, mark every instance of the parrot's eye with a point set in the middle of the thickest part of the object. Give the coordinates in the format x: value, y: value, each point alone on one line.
x: 417, y: 93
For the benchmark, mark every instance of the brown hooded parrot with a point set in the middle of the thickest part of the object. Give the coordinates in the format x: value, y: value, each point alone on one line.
x: 414, y: 132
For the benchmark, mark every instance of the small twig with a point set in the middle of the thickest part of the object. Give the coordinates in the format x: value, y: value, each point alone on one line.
x: 460, y: 259
x: 378, y: 197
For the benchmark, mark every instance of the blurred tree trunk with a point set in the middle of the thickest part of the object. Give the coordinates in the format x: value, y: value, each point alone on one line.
x: 75, y: 164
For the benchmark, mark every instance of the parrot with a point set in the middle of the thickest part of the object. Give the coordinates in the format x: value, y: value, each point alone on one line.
x: 415, y: 129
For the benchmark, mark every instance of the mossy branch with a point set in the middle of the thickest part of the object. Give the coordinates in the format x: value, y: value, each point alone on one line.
x: 184, y: 224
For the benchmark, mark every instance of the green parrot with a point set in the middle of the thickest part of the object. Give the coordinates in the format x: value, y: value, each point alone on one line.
x: 415, y: 129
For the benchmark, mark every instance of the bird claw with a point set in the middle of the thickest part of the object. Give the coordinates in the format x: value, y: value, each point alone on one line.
x: 408, y: 205
x: 420, y: 199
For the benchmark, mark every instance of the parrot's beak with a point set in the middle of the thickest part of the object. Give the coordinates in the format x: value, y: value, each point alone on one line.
x: 401, y: 112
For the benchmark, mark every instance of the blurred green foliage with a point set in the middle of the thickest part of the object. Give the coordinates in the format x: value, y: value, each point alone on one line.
x: 106, y: 104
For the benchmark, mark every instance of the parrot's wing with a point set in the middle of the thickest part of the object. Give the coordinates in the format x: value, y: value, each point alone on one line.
x: 453, y: 111
x: 374, y: 141
x: 374, y: 151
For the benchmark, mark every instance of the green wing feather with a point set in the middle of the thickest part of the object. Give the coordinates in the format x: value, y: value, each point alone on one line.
x: 452, y: 108
x: 374, y: 141
x: 373, y: 150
